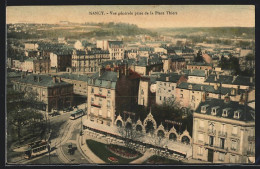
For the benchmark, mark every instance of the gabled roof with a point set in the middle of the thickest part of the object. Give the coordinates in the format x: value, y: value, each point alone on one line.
x: 247, y: 115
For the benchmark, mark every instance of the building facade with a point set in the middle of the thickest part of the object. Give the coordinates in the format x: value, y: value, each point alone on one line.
x: 52, y: 92
x: 224, y: 132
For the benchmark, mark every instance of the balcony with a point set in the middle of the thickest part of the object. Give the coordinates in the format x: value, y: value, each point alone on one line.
x: 251, y: 138
x: 95, y: 105
x: 211, y: 132
x: 100, y: 95
x: 214, y: 147
x: 222, y: 134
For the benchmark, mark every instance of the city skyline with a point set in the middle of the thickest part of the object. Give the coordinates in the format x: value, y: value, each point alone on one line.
x: 186, y: 16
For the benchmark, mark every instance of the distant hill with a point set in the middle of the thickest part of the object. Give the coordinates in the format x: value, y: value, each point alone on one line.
x: 246, y: 32
x: 83, y: 30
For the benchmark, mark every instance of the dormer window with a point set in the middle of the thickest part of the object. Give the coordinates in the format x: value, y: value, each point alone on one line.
x: 204, y: 108
x: 225, y: 112
x: 214, y: 110
x: 237, y: 114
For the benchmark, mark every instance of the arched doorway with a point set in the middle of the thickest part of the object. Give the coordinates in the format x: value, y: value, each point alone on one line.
x: 128, y: 126
x: 172, y: 136
x: 149, y: 128
x: 139, y: 128
x: 119, y: 123
x: 185, y: 139
x: 160, y: 133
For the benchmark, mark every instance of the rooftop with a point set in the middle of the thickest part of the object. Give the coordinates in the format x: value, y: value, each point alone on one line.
x: 226, y: 79
x: 208, y: 88
x: 45, y: 80
x: 74, y: 77
x: 248, y: 115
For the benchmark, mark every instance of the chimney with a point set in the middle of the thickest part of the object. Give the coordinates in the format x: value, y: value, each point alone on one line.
x: 251, y: 79
x: 201, y: 88
x: 227, y: 99
x: 217, y: 76
x: 118, y: 73
x: 215, y: 86
x: 203, y: 97
x: 234, y: 78
x: 167, y: 79
x: 59, y: 79
x: 126, y: 70
x: 54, y: 79
x: 215, y: 79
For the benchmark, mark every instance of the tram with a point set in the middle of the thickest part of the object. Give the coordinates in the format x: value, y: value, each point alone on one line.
x: 77, y: 114
x: 36, y: 148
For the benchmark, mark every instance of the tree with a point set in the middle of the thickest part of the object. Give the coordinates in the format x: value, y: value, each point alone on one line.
x: 199, y: 57
x: 20, y: 116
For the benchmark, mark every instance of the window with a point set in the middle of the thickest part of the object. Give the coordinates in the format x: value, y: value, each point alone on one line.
x: 100, y: 91
x: 142, y: 91
x: 43, y: 93
x: 108, y: 92
x: 233, y: 145
x: 232, y: 158
x: 160, y: 97
x: 201, y: 124
x: 225, y: 112
x: 234, y: 130
x: 200, y: 151
x: 214, y: 110
x: 164, y: 98
x: 222, y: 143
x: 172, y: 87
x: 221, y: 156
x: 237, y: 114
x: 200, y: 137
x: 100, y: 112
x: 211, y: 140
x: 92, y: 90
x: 222, y: 128
x: 100, y: 102
x: 108, y: 113
x: 92, y: 100
x: 108, y: 104
x: 204, y: 108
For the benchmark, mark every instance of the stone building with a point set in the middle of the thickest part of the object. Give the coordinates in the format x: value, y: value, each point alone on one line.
x: 224, y: 132
x: 147, y: 91
x: 86, y: 61
x: 173, y: 63
x: 52, y: 92
x: 111, y: 91
x: 42, y: 65
x: 166, y: 87
x: 80, y: 86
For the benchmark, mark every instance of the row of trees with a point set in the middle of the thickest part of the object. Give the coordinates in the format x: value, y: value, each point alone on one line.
x: 22, y: 120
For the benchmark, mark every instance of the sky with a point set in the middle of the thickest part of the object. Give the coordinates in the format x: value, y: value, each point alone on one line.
x: 187, y: 15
